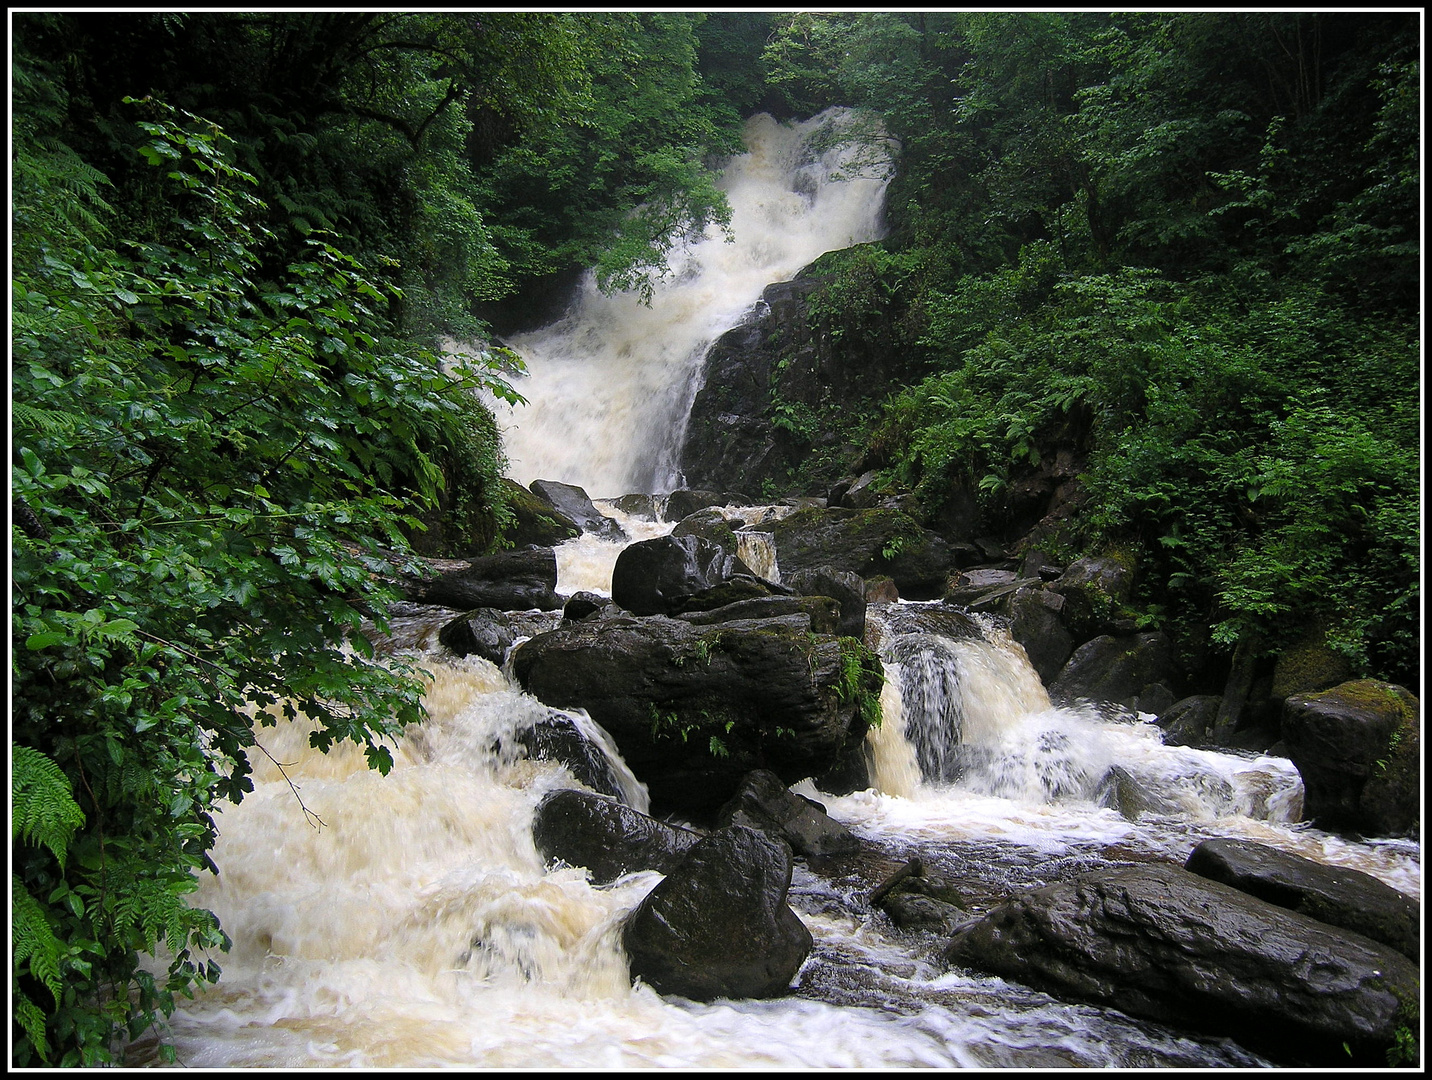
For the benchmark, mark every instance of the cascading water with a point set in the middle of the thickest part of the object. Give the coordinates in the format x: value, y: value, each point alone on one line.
x: 610, y: 385
x: 416, y: 927
x: 407, y: 921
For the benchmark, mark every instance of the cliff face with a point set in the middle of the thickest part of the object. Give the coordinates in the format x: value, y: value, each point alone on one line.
x: 781, y: 394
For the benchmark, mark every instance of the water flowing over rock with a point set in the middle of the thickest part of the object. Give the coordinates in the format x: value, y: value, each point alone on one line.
x: 693, y: 709
x: 763, y: 802
x: 1159, y: 942
x: 605, y: 836
x: 1336, y: 895
x: 718, y: 926
x: 614, y: 363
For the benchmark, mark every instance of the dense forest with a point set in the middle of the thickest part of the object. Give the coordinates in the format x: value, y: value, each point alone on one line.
x: 1184, y: 245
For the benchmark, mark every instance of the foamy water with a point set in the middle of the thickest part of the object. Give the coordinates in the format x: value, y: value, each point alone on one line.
x: 417, y: 927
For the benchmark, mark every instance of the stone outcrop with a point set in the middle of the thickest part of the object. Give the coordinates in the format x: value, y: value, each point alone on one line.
x: 489, y: 632
x: 718, y: 925
x: 1117, y: 669
x: 509, y: 581
x: 657, y: 577
x: 763, y: 802
x: 1336, y: 895
x: 1158, y: 942
x: 865, y: 543
x: 605, y: 836
x: 535, y: 520
x: 695, y: 708
x: 573, y: 503
x: 1356, y: 748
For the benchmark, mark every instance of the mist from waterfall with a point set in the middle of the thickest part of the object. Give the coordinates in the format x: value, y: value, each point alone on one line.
x: 610, y: 384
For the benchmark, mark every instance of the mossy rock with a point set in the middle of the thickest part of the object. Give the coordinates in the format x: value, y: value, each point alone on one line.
x: 1309, y: 666
x: 535, y: 521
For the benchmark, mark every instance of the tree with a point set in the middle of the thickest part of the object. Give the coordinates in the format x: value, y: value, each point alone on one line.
x: 211, y: 468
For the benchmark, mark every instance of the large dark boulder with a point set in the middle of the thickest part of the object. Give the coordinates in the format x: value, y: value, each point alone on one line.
x: 1094, y: 588
x: 1158, y: 942
x: 822, y: 611
x: 865, y: 543
x: 718, y: 925
x: 763, y: 802
x: 489, y: 633
x: 847, y: 589
x: 1117, y: 669
x: 1337, y: 895
x: 1189, y: 721
x: 535, y: 521
x: 1356, y: 748
x: 1036, y: 623
x: 695, y: 708
x: 605, y: 836
x: 572, y: 502
x: 684, y: 502
x: 657, y: 576
x: 509, y: 581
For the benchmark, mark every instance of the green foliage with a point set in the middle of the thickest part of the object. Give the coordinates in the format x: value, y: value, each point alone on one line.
x: 861, y: 677
x: 218, y: 463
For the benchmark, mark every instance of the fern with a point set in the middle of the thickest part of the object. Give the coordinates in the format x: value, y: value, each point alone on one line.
x: 45, y: 421
x: 42, y: 802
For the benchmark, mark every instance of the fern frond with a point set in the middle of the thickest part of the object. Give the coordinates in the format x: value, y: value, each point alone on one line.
x: 42, y: 803
x: 45, y: 421
x: 33, y: 941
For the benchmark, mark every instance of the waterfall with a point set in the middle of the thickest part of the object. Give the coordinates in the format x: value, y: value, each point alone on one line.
x: 971, y: 712
x: 610, y: 384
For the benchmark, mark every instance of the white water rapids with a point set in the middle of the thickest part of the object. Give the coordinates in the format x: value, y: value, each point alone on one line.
x: 418, y: 928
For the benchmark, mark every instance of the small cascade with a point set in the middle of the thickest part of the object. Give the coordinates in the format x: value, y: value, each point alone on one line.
x: 893, y: 767
x: 758, y: 551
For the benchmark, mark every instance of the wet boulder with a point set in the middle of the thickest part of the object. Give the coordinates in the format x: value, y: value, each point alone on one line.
x: 822, y: 611
x: 535, y: 520
x: 1337, y: 895
x: 847, y: 589
x: 915, y: 900
x: 657, y: 576
x: 1158, y: 942
x: 556, y: 737
x: 718, y: 925
x: 637, y: 506
x: 581, y: 605
x: 684, y: 502
x: 519, y: 580
x: 605, y: 836
x: 1117, y: 669
x: 694, y: 708
x: 712, y: 524
x: 1189, y: 721
x: 865, y: 543
x: 763, y: 802
x: 1036, y: 624
x: 572, y: 502
x: 489, y: 632
x: 1094, y: 588
x: 1356, y: 748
